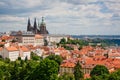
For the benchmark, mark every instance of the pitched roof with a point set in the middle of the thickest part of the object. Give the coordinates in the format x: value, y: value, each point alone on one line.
x: 68, y: 64
x: 11, y: 48
x: 24, y: 48
x: 37, y: 36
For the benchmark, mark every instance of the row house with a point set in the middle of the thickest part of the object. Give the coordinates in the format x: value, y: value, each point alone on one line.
x: 6, y: 38
x: 67, y: 67
x: 39, y: 40
x: 53, y: 39
x: 88, y: 64
x: 24, y: 52
x: 13, y: 52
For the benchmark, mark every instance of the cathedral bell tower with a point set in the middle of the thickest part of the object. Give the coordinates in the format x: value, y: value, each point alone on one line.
x: 29, y: 25
x: 43, y: 29
x: 35, y: 26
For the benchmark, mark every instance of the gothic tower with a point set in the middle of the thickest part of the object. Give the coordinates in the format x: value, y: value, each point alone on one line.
x: 43, y: 27
x: 29, y: 25
x: 35, y: 26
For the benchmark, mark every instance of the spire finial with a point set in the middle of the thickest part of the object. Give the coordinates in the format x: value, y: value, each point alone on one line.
x: 42, y: 19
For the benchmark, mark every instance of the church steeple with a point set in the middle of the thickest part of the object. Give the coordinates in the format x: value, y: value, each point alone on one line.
x: 43, y: 29
x: 43, y: 23
x: 35, y: 26
x: 42, y: 19
x: 28, y: 25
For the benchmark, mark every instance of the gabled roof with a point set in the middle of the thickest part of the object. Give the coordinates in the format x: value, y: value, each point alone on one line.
x: 37, y: 36
x: 11, y: 48
x: 24, y: 48
x: 68, y: 64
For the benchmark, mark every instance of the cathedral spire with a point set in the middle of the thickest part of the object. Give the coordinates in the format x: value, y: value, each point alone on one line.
x: 28, y: 25
x: 43, y: 23
x: 35, y: 26
x: 43, y: 29
x: 42, y: 19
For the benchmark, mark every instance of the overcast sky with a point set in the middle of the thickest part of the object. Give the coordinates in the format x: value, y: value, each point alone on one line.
x: 99, y: 17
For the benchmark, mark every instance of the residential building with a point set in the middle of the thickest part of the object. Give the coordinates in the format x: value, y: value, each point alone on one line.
x: 10, y: 52
x: 39, y: 40
x: 24, y: 52
x: 53, y: 39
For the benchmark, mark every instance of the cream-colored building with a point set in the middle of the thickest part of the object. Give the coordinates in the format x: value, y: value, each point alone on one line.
x: 52, y: 39
x: 67, y: 67
x: 39, y: 40
x: 10, y: 52
x: 28, y: 40
x: 24, y: 52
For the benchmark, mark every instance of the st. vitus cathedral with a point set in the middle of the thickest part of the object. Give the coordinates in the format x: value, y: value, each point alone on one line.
x: 37, y: 29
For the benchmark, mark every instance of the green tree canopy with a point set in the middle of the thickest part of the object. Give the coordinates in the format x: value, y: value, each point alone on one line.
x: 47, y: 70
x: 99, y: 70
x: 56, y: 58
x: 66, y: 76
x: 34, y: 56
x: 78, y: 71
x: 63, y: 41
x: 114, y: 75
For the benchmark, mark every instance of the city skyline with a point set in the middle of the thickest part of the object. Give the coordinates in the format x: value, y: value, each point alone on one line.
x: 74, y: 17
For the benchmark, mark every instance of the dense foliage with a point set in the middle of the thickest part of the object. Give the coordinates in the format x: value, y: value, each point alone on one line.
x: 46, y: 70
x: 34, y: 69
x: 93, y: 42
x: 78, y: 72
x: 66, y: 76
x: 113, y: 76
x: 56, y: 58
x: 99, y: 70
x: 78, y: 42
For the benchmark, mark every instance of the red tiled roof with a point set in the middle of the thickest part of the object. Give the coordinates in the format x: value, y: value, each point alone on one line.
x: 38, y: 36
x: 68, y: 64
x: 23, y: 48
x: 12, y: 48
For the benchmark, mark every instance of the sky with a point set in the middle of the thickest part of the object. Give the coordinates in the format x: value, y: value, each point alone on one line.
x: 74, y: 17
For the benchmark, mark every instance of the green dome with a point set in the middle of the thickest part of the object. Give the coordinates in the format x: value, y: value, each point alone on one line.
x: 43, y: 23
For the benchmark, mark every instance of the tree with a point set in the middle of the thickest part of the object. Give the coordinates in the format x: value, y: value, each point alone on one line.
x: 7, y: 60
x: 19, y: 58
x: 26, y: 59
x: 78, y: 72
x: 63, y: 41
x: 34, y: 56
x: 4, y: 73
x: 56, y: 58
x: 45, y: 42
x: 15, y: 71
x: 99, y: 70
x: 47, y: 70
x: 3, y: 40
x: 114, y: 75
x: 96, y: 78
x: 66, y: 76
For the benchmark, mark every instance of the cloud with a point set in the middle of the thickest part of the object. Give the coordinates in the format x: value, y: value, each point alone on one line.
x: 63, y: 16
x: 11, y: 18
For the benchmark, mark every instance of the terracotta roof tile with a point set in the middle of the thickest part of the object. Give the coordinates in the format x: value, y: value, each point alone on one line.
x: 12, y: 48
x: 23, y: 48
x: 38, y: 36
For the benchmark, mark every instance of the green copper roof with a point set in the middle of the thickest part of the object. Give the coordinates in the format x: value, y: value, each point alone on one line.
x: 42, y: 23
